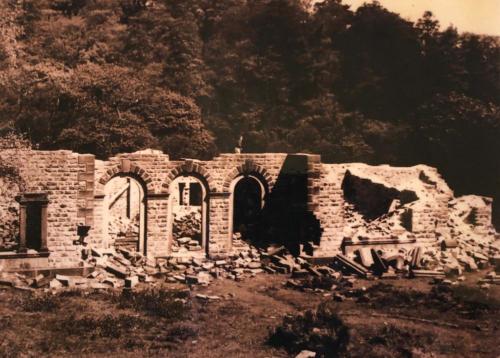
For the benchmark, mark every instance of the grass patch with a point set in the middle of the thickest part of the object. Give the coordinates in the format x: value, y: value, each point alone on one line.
x: 156, y: 302
x: 401, y: 341
x: 107, y: 326
x: 39, y: 302
x: 467, y: 301
x: 320, y: 330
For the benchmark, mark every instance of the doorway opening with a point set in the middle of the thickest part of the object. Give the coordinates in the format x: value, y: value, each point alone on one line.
x: 126, y: 207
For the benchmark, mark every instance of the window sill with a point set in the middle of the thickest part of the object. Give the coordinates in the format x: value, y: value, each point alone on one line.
x: 23, y: 255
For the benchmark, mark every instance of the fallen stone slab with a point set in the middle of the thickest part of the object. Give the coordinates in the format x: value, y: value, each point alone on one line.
x: 365, y: 257
x: 41, y: 281
x: 273, y: 251
x: 379, y: 265
x: 98, y: 286
x: 6, y: 282
x: 306, y: 354
x: 65, y: 280
x: 449, y: 244
x: 293, y: 284
x: 270, y: 269
x: 117, y: 271
x: 254, y: 265
x: 180, y: 278
x: 131, y: 282
x: 123, y: 261
x: 397, y: 261
x: 416, y: 257
x: 346, y: 264
x: 427, y: 273
x: 55, y: 284
x: 203, y: 278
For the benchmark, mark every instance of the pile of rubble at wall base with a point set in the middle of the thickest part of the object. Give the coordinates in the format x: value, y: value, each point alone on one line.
x: 466, y: 243
x: 122, y: 268
x: 368, y: 263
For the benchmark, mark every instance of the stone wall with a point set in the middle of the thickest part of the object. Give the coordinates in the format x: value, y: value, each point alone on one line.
x: 56, y: 173
x: 429, y: 212
x: 76, y: 188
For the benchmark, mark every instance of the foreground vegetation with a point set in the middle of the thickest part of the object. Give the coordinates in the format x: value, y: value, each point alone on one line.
x: 258, y: 317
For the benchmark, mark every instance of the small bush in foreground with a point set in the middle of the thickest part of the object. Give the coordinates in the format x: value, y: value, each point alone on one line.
x: 321, y: 331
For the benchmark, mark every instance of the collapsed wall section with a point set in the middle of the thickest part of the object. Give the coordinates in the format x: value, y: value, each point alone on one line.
x: 366, y: 204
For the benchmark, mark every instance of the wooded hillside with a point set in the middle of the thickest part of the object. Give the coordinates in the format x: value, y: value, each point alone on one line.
x: 191, y: 76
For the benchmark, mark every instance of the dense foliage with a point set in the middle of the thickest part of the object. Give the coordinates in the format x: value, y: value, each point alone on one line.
x: 191, y: 76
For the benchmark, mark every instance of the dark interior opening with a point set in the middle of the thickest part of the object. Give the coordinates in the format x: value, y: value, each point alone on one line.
x: 34, y: 227
x: 285, y: 219
x: 195, y: 194
x: 247, y: 207
x: 371, y: 199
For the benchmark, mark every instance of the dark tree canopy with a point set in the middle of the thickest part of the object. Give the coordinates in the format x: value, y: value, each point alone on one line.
x: 190, y: 77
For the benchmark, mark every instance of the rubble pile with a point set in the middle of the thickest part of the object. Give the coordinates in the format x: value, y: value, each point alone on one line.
x: 122, y: 268
x: 9, y: 214
x: 187, y: 232
x: 390, y: 225
x: 468, y: 242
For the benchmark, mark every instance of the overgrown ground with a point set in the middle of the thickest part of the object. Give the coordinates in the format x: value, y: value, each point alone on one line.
x: 401, y: 318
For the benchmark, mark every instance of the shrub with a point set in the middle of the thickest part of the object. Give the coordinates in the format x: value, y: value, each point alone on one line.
x: 321, y: 331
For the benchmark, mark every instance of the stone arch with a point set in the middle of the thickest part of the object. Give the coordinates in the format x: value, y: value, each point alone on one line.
x: 130, y: 169
x: 188, y: 173
x: 190, y: 168
x: 247, y: 171
x: 248, y: 168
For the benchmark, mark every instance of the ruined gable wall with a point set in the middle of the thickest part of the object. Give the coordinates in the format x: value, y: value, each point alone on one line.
x: 429, y: 212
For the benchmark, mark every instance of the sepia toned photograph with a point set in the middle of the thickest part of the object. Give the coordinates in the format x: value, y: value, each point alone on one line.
x: 250, y: 178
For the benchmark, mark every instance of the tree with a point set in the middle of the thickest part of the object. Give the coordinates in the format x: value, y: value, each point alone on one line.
x: 459, y: 135
x: 380, y: 72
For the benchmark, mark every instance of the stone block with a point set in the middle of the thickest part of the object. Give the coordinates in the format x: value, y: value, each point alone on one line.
x: 131, y: 282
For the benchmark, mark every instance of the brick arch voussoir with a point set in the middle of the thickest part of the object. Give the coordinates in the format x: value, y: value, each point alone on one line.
x: 132, y: 170
x: 189, y: 168
x: 249, y: 167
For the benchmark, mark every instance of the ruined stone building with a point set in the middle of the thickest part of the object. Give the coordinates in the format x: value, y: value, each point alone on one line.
x: 53, y: 203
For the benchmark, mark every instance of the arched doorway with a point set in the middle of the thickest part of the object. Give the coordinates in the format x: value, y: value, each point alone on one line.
x: 187, y: 220
x: 248, y: 201
x: 125, y: 209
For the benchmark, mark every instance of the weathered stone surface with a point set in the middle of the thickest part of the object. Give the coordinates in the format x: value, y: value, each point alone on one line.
x: 420, y: 210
